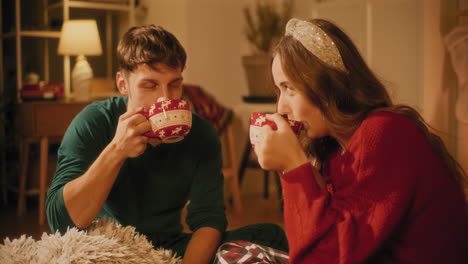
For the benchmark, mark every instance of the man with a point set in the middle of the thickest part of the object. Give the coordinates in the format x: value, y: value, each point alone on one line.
x: 106, y: 166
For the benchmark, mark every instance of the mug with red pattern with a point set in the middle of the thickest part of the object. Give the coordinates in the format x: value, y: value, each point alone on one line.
x: 171, y: 120
x: 257, y: 120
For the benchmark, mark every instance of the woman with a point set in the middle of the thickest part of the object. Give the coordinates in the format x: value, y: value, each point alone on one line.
x: 373, y: 184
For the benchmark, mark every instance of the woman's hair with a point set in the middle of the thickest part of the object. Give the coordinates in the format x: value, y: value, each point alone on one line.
x: 345, y: 98
x: 147, y: 45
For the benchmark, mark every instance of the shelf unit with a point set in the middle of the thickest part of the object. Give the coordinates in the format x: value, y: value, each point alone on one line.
x: 93, y: 5
x: 66, y: 6
x: 108, y: 8
x: 462, y: 12
x: 33, y: 33
x: 3, y: 171
x: 20, y: 35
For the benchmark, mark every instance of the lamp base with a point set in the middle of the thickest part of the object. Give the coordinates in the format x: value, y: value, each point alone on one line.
x: 81, y: 79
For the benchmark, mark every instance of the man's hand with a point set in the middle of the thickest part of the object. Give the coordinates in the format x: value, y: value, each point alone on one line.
x: 129, y: 139
x: 85, y: 195
x: 202, y: 246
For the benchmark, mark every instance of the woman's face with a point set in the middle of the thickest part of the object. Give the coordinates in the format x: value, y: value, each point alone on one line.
x: 295, y: 104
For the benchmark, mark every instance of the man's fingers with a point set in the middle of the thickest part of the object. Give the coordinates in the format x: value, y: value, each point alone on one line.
x: 154, y: 141
x: 136, y: 120
x: 129, y: 114
x: 143, y: 127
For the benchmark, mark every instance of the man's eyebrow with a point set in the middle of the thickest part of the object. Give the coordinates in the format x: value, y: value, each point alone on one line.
x: 177, y: 79
x: 149, y: 80
x: 156, y: 81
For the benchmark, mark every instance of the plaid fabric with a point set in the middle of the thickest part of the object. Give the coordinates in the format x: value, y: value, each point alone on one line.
x: 207, y: 107
x: 244, y: 252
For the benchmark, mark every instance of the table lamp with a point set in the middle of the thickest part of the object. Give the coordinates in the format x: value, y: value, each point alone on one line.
x: 80, y: 38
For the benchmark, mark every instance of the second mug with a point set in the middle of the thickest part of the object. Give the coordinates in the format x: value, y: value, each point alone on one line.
x: 257, y: 120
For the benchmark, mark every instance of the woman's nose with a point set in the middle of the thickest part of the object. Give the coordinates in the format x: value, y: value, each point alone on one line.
x: 282, y: 106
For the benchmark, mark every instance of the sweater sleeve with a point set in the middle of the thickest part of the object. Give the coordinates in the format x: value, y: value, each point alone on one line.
x: 82, y: 143
x: 375, y: 182
x: 206, y: 207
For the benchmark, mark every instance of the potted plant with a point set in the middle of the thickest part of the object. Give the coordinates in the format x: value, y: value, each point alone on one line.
x: 264, y: 27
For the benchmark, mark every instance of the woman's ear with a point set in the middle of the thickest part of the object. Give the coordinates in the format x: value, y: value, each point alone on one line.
x: 122, y: 83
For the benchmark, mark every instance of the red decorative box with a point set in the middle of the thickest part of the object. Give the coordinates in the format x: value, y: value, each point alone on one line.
x: 42, y: 91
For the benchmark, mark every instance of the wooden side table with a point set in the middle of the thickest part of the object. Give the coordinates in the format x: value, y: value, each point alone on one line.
x: 40, y: 121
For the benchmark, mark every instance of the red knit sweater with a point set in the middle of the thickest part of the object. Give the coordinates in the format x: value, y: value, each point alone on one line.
x: 389, y: 199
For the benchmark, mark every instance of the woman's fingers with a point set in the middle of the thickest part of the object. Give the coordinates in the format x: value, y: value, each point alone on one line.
x: 279, y: 121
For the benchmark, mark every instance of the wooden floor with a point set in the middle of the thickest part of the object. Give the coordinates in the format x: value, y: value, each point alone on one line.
x: 256, y: 210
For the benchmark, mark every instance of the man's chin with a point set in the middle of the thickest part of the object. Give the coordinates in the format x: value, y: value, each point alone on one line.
x: 154, y: 141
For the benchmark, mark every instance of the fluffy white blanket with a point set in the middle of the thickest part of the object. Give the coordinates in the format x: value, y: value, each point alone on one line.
x: 103, y: 242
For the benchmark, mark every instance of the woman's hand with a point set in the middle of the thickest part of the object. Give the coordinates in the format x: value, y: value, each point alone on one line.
x: 279, y: 150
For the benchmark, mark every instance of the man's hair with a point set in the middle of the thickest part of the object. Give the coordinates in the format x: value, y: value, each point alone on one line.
x: 149, y: 44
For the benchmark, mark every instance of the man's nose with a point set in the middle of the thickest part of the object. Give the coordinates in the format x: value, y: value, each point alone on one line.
x: 166, y: 93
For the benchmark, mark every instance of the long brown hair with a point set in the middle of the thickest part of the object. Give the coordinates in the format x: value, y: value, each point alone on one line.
x: 346, y: 98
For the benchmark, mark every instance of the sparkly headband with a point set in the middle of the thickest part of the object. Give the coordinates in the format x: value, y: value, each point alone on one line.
x: 314, y: 39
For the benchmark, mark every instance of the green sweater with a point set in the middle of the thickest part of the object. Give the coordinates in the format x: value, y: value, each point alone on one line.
x: 151, y: 190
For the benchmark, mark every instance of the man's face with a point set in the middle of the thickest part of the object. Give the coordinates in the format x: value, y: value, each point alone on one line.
x: 147, y: 83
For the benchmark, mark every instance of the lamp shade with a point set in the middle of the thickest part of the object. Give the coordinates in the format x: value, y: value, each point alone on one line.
x: 79, y: 37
